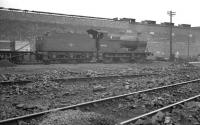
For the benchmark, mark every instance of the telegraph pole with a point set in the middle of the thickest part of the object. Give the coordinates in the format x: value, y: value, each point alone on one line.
x: 188, y: 51
x: 171, y: 13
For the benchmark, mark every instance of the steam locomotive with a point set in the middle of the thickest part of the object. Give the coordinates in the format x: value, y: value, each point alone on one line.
x: 91, y: 46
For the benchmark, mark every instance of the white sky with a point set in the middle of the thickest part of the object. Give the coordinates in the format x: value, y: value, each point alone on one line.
x: 187, y: 11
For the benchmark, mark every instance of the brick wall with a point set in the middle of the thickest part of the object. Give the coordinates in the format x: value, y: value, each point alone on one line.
x: 11, y: 15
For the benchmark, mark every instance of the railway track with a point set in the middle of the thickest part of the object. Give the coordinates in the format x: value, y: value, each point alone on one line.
x: 126, y: 106
x: 166, y: 108
x: 79, y: 78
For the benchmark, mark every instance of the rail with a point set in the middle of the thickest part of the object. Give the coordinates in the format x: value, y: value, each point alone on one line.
x: 78, y: 78
x: 161, y: 109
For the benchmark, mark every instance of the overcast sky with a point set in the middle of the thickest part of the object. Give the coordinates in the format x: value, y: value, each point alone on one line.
x: 187, y: 11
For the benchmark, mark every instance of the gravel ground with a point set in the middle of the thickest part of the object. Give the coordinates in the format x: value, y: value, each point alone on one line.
x: 17, y: 100
x: 36, y: 72
x: 76, y: 117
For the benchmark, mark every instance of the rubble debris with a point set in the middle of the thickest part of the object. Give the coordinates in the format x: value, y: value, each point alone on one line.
x: 91, y: 73
x: 139, y: 122
x: 20, y: 122
x: 158, y: 117
x: 76, y: 117
x: 20, y: 105
x: 99, y: 88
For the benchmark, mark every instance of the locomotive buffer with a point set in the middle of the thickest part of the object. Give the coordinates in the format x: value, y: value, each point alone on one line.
x: 97, y: 35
